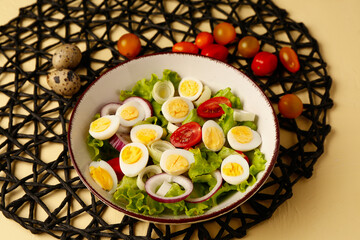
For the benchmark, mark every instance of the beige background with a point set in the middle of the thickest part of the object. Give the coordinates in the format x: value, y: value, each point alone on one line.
x: 327, y: 205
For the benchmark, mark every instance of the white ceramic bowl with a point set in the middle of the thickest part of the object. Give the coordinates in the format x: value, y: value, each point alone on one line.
x: 215, y: 74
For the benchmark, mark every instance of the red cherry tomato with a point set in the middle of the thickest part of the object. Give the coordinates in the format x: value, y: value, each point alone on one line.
x: 290, y: 106
x: 224, y: 33
x: 211, y: 108
x: 216, y: 51
x: 264, y: 64
x: 129, y: 45
x: 185, y: 47
x: 187, y: 135
x: 115, y: 164
x: 243, y: 155
x: 289, y: 59
x: 203, y: 39
x: 248, y: 47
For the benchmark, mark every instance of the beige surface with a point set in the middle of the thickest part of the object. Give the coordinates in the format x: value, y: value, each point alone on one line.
x: 325, y: 206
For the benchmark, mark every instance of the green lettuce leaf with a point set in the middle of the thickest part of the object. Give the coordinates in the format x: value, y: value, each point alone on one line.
x: 177, y: 207
x: 250, y: 124
x: 235, y: 101
x: 142, y: 88
x: 194, y: 117
x: 225, y: 152
x: 172, y: 76
x: 226, y: 122
x: 157, y: 112
x: 206, y: 162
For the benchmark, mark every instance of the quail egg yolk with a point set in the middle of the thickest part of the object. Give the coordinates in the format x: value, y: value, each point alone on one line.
x: 242, y: 134
x: 189, y: 88
x: 213, y: 138
x: 100, y: 124
x: 178, y: 108
x: 131, y: 154
x: 232, y: 169
x: 102, y: 177
x: 129, y: 113
x: 176, y: 162
x: 146, y: 135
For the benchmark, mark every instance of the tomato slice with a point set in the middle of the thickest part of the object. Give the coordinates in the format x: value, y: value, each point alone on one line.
x: 211, y: 107
x: 186, y: 136
x: 115, y: 164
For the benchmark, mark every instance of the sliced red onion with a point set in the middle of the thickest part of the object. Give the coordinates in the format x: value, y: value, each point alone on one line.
x: 118, y: 141
x: 144, y: 103
x: 216, y: 174
x: 110, y: 108
x: 156, y: 180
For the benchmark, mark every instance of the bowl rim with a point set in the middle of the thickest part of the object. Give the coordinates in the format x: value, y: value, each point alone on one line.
x: 178, y: 220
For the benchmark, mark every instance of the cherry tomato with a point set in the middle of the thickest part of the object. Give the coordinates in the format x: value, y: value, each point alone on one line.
x: 216, y: 51
x: 185, y: 47
x: 211, y: 108
x: 290, y: 106
x: 289, y: 59
x: 115, y: 164
x: 187, y: 135
x: 264, y: 64
x: 129, y: 45
x: 248, y: 46
x: 203, y: 39
x: 224, y: 33
x: 243, y: 155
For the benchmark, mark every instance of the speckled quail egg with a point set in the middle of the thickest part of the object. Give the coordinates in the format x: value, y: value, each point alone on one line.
x: 64, y: 82
x: 243, y: 138
x: 234, y: 169
x: 66, y: 56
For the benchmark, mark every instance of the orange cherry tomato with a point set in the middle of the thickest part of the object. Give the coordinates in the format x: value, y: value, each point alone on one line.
x: 290, y: 106
x: 203, y: 39
x: 248, y: 46
x: 224, y: 33
x: 129, y: 45
x: 185, y: 47
x: 289, y: 59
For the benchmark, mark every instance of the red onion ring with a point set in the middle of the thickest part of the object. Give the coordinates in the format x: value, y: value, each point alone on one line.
x: 146, y: 105
x: 156, y: 180
x: 118, y: 141
x: 109, y: 108
x: 216, y: 174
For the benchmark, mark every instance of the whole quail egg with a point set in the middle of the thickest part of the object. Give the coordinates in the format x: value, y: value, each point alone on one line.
x: 66, y: 56
x: 64, y: 82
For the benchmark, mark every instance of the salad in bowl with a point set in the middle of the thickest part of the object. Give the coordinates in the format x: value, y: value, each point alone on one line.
x: 180, y: 144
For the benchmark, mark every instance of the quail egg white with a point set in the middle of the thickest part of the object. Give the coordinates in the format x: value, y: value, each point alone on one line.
x: 104, y: 175
x: 234, y: 169
x: 130, y: 113
x: 243, y: 138
x: 133, y: 158
x: 190, y: 88
x: 176, y: 161
x: 146, y: 133
x: 104, y: 127
x: 213, y: 136
x: 176, y: 109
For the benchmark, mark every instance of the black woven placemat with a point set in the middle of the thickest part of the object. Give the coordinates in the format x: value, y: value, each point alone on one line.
x: 33, y: 118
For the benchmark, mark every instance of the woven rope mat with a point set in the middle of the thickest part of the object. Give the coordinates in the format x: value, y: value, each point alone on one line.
x: 45, y: 194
